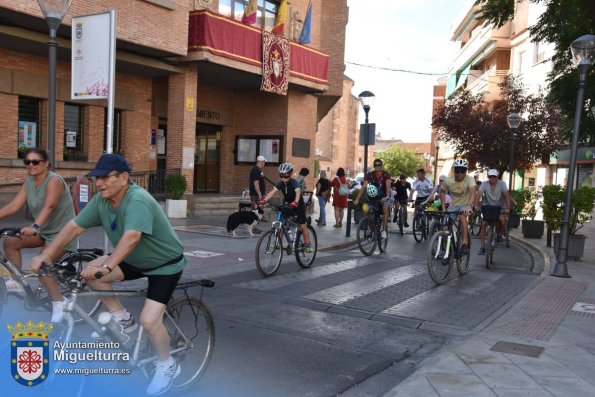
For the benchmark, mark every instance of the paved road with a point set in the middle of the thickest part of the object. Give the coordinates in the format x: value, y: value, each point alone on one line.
x: 348, y: 321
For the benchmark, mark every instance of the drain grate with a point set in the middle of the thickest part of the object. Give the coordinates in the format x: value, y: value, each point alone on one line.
x: 517, y: 348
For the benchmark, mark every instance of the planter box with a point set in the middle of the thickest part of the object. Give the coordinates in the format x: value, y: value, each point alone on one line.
x: 514, y: 221
x: 176, y: 208
x: 532, y: 229
x: 576, y: 246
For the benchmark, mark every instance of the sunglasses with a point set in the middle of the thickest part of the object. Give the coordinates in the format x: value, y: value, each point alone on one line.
x: 460, y: 171
x: 377, y: 165
x: 34, y: 162
x: 492, y: 176
x: 283, y: 176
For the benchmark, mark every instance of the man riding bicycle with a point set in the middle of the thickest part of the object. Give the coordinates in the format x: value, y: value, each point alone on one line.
x: 404, y: 191
x: 380, y: 179
x: 462, y: 190
x: 292, y: 194
x: 493, y: 192
x: 423, y: 187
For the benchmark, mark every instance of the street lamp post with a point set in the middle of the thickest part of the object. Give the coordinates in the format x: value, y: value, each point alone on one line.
x: 583, y: 54
x: 53, y: 11
x: 366, y: 98
x: 427, y: 158
x: 513, y: 121
x: 437, y: 142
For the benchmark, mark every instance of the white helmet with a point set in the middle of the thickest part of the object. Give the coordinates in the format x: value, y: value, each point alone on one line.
x: 442, y: 178
x: 285, y: 168
x: 372, y: 190
x: 460, y: 163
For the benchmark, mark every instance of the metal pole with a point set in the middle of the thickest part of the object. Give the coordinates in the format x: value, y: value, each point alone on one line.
x: 109, y: 142
x: 349, y: 208
x: 53, y: 24
x: 436, y: 166
x: 366, y: 110
x: 511, y: 165
x: 560, y: 269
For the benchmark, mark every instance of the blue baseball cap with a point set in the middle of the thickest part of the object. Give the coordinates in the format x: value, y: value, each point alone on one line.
x: 108, y: 163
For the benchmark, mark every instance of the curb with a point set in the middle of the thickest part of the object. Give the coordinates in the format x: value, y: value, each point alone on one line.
x: 334, y: 247
x: 544, y: 254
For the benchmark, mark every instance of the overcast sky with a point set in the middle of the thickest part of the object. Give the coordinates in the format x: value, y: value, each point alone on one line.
x: 410, y: 35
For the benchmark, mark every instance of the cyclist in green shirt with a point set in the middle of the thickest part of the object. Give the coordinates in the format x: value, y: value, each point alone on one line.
x: 145, y: 245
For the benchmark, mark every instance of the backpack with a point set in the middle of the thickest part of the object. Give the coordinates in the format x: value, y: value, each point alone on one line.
x: 343, y: 189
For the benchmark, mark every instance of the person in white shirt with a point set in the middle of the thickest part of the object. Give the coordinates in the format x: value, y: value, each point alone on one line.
x: 423, y: 187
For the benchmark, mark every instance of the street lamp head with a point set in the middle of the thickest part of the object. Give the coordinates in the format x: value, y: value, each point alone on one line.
x: 366, y: 98
x: 513, y: 120
x: 426, y: 156
x: 583, y: 50
x: 55, y: 9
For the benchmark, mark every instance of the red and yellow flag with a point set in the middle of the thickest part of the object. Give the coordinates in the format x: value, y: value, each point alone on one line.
x: 249, y: 16
x: 279, y: 27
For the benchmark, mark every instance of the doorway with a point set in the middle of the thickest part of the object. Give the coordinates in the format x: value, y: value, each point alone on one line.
x: 207, y: 158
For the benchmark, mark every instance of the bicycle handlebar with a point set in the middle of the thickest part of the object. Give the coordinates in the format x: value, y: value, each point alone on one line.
x: 10, y: 231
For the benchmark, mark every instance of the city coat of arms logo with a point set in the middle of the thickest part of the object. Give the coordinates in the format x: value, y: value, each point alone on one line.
x: 79, y: 31
x: 29, y: 352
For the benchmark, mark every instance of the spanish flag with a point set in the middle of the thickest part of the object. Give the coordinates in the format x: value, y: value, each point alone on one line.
x: 249, y: 16
x: 279, y: 27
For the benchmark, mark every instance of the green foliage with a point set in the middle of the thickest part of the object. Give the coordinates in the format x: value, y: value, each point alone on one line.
x: 399, y: 161
x: 554, y: 198
x: 479, y: 132
x: 562, y: 22
x: 175, y: 186
x: 526, y: 202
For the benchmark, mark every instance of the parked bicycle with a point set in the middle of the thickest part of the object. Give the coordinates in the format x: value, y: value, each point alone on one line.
x: 34, y: 295
x: 370, y: 226
x: 445, y: 247
x: 269, y: 248
x: 188, y: 321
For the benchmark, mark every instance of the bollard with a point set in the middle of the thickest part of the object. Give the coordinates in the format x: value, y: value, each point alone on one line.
x: 548, y: 238
x: 348, y: 226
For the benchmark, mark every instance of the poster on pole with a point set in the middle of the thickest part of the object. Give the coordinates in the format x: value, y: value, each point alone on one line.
x: 91, y: 56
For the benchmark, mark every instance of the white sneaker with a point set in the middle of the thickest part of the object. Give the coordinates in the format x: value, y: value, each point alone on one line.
x: 58, y: 310
x: 383, y: 234
x: 164, y: 375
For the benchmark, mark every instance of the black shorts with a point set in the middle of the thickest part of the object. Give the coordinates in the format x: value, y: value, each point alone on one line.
x: 161, y: 287
x: 419, y: 200
x: 299, y: 211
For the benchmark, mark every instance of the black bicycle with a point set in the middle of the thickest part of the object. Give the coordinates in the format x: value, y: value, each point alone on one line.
x: 269, y: 248
x: 444, y: 248
x: 34, y: 295
x: 369, y: 228
x: 420, y: 223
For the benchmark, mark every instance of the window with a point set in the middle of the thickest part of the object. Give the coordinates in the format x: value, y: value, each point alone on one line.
x: 73, y: 132
x: 265, y: 16
x: 116, y: 132
x: 248, y: 148
x: 538, y: 54
x: 28, y: 128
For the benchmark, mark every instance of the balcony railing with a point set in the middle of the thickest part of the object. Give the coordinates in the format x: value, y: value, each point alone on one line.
x: 232, y: 40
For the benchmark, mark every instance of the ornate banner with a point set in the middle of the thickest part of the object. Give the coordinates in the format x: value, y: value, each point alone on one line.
x: 275, y: 63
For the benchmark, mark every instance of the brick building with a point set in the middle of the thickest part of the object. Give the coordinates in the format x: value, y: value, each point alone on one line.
x: 187, y: 97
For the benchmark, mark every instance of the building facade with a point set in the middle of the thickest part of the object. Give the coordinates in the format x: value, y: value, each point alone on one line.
x: 188, y: 89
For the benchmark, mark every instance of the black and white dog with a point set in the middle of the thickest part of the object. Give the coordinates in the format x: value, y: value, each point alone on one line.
x: 249, y: 218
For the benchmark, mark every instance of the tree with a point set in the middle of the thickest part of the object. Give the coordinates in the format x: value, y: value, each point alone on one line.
x: 479, y: 132
x: 561, y: 23
x: 399, y: 161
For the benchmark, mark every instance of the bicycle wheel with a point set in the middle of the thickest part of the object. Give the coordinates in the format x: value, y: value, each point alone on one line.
x: 90, y: 304
x: 366, y: 236
x: 3, y: 294
x: 489, y: 247
x: 305, y: 259
x: 192, y: 331
x: 400, y: 219
x: 269, y: 252
x: 475, y: 221
x: 382, y: 242
x: 440, y: 257
x: 463, y: 259
x: 417, y: 228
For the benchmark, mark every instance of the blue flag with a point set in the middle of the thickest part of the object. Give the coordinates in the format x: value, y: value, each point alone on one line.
x: 305, y: 36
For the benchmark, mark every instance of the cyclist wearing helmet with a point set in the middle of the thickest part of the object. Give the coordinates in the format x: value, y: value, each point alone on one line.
x: 461, y: 188
x: 292, y: 195
x: 381, y: 180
